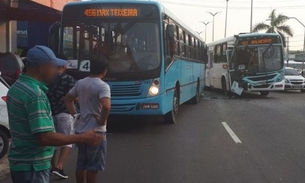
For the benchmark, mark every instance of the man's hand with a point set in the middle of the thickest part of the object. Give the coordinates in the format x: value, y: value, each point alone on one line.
x: 92, y: 138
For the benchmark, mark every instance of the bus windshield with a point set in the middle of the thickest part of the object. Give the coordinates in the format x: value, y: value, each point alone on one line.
x: 129, y: 46
x: 260, y: 58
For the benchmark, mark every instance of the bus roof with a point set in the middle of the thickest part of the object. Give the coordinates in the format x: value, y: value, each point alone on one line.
x: 243, y: 35
x: 161, y: 7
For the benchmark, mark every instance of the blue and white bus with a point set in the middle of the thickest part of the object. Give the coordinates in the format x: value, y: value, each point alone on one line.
x: 246, y: 62
x: 156, y: 62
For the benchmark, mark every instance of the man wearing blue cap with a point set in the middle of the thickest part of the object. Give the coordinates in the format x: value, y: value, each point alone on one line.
x: 31, y: 123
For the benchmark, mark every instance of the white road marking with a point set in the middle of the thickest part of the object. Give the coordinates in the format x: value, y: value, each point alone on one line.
x: 231, y: 133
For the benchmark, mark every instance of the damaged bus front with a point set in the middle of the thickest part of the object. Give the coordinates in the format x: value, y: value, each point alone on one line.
x: 256, y: 64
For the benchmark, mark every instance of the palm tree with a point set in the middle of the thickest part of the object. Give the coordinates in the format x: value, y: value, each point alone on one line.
x: 277, y: 25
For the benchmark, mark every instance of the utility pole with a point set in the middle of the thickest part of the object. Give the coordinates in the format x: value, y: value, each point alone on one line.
x: 205, y: 30
x: 213, y: 14
x: 287, y: 56
x: 226, y: 21
x: 251, y: 16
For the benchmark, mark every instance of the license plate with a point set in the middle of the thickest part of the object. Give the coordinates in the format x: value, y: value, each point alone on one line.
x: 296, y: 86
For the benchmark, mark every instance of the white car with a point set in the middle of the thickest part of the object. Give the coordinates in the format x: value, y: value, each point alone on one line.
x: 4, y: 127
x: 294, y: 81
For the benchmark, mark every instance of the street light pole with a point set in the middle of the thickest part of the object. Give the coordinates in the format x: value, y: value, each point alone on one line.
x: 251, y: 16
x: 226, y: 22
x: 205, y: 30
x: 213, y: 14
x: 304, y: 30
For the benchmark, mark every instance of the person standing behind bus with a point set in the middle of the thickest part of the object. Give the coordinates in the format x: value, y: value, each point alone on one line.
x: 63, y: 121
x: 94, y: 101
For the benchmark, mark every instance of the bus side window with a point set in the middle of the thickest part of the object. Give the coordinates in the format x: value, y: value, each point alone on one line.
x: 182, y: 42
x: 211, y: 59
x: 217, y: 54
x: 224, y: 51
x: 188, y: 51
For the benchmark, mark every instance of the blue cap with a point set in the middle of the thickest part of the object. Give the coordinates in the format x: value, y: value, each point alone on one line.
x: 39, y: 55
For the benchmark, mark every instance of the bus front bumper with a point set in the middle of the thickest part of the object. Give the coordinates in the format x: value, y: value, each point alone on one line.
x: 143, y: 106
x: 267, y: 87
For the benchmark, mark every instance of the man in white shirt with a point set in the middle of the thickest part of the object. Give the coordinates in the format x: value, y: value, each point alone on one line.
x: 94, y: 100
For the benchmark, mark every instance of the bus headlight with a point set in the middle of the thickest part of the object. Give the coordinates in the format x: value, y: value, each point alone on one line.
x: 154, y: 88
x: 287, y: 81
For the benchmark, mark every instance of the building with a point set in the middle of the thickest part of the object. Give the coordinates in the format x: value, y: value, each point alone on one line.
x: 25, y: 23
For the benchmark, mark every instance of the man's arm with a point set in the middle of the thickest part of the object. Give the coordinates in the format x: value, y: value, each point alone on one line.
x: 41, y: 125
x: 69, y: 102
x: 57, y: 139
x: 104, y: 96
x: 106, y: 106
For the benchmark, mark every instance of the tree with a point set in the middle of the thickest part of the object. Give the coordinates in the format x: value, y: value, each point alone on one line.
x: 277, y: 25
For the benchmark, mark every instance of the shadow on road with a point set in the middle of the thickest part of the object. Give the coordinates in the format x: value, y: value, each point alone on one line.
x: 132, y: 124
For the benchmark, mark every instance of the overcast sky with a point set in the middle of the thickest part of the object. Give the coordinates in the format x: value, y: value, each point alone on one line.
x: 192, y: 12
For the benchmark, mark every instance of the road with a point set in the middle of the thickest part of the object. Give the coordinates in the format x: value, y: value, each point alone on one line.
x: 199, y: 149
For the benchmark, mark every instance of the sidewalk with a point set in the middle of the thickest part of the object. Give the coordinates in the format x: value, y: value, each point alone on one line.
x: 4, y: 168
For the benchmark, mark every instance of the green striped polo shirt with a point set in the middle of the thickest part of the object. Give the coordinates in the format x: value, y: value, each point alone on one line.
x: 29, y: 113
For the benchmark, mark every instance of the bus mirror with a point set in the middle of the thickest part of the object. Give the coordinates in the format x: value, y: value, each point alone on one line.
x: 53, y: 40
x: 170, y: 29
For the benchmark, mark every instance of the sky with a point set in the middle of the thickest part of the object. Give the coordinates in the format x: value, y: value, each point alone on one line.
x: 191, y: 12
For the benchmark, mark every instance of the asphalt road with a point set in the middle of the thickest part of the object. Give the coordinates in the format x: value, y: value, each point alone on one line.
x: 199, y: 149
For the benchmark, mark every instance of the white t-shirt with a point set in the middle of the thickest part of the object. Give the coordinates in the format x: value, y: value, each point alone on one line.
x: 89, y: 91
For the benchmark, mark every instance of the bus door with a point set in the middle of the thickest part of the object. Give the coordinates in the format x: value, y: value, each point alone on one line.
x: 229, y: 65
x: 209, y: 70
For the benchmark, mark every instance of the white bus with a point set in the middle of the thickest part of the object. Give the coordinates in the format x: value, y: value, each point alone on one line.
x: 246, y: 62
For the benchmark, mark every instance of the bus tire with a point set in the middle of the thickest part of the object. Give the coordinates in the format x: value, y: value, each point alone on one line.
x: 196, y: 98
x: 264, y: 93
x: 303, y: 91
x: 172, y: 116
x: 4, y: 143
x: 224, y: 87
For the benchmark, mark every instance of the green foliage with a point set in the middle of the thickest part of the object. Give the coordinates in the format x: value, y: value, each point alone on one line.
x: 276, y: 25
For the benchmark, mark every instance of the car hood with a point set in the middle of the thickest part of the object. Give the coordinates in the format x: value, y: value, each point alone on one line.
x: 294, y: 77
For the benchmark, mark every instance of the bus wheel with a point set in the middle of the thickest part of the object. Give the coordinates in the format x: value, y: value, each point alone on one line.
x: 264, y: 93
x: 172, y: 116
x: 196, y: 98
x: 224, y: 87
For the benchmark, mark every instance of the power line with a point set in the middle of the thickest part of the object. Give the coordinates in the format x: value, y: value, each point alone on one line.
x: 237, y: 8
x: 246, y: 2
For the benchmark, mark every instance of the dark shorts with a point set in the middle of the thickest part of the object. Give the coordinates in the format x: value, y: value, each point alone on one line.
x: 92, y: 158
x: 31, y: 177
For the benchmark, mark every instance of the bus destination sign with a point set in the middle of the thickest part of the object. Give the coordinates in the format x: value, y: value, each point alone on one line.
x: 259, y: 41
x: 111, y: 12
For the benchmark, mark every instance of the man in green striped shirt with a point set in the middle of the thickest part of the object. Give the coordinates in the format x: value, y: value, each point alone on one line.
x: 31, y: 121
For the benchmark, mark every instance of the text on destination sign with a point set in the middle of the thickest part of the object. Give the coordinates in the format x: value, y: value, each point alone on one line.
x: 111, y: 12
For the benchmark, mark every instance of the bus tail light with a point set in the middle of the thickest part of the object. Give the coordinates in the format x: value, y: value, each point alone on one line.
x: 154, y: 88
